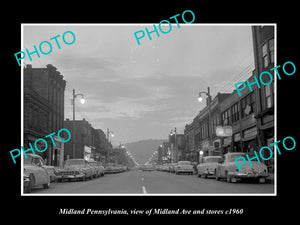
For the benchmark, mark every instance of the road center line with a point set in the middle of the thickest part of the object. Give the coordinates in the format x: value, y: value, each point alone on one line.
x: 144, y: 190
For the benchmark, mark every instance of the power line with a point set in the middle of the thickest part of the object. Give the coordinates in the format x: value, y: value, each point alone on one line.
x: 241, y: 75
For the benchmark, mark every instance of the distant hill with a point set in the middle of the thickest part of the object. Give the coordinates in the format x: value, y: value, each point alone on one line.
x: 142, y: 150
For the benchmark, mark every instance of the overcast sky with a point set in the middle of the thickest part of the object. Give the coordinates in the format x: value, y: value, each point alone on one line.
x: 143, y: 91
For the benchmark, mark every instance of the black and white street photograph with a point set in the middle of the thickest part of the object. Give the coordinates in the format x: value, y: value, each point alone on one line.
x: 171, y: 108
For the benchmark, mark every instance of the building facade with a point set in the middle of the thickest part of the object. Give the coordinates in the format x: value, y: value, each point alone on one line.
x: 43, y: 108
x: 240, y: 112
x: 264, y: 59
x: 200, y: 135
x: 88, y: 143
x: 82, y: 144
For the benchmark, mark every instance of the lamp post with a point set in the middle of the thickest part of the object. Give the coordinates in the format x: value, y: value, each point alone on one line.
x: 82, y: 100
x: 174, y: 149
x: 209, y: 115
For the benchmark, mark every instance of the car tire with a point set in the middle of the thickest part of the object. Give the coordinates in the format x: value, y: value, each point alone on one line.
x: 46, y: 186
x: 262, y: 180
x: 31, y: 180
x: 217, y: 175
x: 228, y: 177
x: 27, y: 188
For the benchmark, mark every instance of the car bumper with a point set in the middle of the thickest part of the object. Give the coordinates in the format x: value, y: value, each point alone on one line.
x: 210, y: 173
x: 185, y: 171
x: 249, y: 175
x: 70, y: 176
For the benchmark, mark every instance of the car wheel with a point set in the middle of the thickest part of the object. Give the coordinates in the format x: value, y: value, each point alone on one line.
x: 261, y: 180
x: 27, y: 188
x: 230, y: 178
x: 31, y: 180
x: 218, y: 175
x: 47, y: 185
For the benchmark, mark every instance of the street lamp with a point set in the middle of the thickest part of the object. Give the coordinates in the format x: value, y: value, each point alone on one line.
x: 174, y: 146
x: 201, y: 156
x: 209, y: 114
x: 82, y: 100
x: 204, y: 92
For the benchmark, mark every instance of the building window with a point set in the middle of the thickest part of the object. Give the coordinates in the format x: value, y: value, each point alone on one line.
x: 265, y: 54
x: 226, y: 117
x: 268, y: 52
x: 215, y: 122
x: 204, y: 130
x: 248, y: 105
x: 268, y: 92
x: 235, y: 112
x: 271, y: 49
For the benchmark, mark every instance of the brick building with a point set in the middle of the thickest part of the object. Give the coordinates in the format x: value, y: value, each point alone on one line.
x: 264, y: 59
x: 239, y: 112
x: 200, y: 134
x: 43, y: 108
x: 82, y: 139
x: 88, y: 142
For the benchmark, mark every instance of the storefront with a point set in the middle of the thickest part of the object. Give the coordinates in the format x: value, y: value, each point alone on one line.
x: 226, y: 145
x: 58, y: 152
x: 237, y: 146
x: 249, y: 140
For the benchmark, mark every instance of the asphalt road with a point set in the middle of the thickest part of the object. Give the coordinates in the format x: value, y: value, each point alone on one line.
x: 154, y: 182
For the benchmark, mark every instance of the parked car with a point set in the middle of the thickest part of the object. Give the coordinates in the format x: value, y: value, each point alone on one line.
x: 101, y: 168
x: 147, y: 167
x: 184, y: 167
x: 165, y: 167
x: 229, y: 171
x: 34, y: 174
x: 209, y: 166
x: 38, y: 160
x: 75, y: 169
x: 95, y: 168
x: 114, y: 168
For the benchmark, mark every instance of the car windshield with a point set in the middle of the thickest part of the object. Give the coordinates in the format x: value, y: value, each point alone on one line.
x: 37, y: 161
x: 232, y: 158
x: 75, y: 162
x: 184, y: 163
x: 212, y: 160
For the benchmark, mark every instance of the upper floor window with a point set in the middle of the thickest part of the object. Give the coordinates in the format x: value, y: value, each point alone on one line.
x: 268, y: 92
x: 226, y: 115
x: 268, y: 52
x: 248, y: 105
x: 235, y: 112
